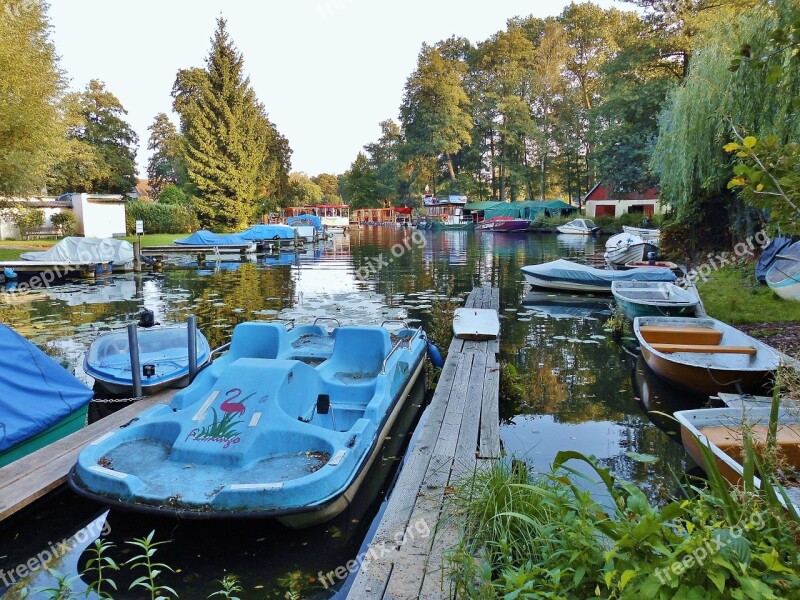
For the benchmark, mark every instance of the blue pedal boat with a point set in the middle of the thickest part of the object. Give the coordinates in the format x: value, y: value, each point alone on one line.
x: 285, y: 425
x: 163, y: 354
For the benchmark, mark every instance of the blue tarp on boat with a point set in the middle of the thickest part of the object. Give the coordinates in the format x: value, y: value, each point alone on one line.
x: 259, y: 233
x: 299, y: 220
x: 769, y: 255
x: 209, y: 238
x: 35, y: 391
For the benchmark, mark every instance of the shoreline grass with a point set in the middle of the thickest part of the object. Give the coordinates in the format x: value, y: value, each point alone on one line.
x: 733, y: 295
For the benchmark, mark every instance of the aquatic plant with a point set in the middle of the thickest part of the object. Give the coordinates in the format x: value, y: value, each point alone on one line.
x: 98, y: 565
x: 545, y: 536
x: 617, y: 324
x: 230, y: 585
x: 152, y: 570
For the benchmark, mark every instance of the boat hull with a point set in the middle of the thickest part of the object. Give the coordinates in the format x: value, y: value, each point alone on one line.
x: 504, y: 226
x: 788, y: 290
x: 654, y: 300
x: 633, y: 309
x: 707, y: 374
x: 632, y: 253
x: 572, y: 286
x: 73, y: 422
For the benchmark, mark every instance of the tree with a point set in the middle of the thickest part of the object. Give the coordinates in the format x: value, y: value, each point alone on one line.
x: 302, y: 191
x: 172, y: 194
x: 31, y: 127
x: 329, y: 185
x: 100, y: 154
x: 234, y: 154
x: 165, y: 166
x: 434, y: 113
x: 360, y: 184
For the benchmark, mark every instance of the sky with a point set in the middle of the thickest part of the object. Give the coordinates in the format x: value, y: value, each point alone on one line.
x: 327, y: 71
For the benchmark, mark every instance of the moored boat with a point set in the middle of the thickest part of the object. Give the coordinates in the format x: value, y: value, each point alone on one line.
x: 163, y: 355
x: 645, y: 298
x: 649, y: 235
x: 284, y: 425
x: 567, y: 275
x: 624, y: 247
x: 503, y: 224
x: 705, y: 356
x: 579, y: 227
x: 40, y: 402
x: 722, y: 431
x: 783, y: 276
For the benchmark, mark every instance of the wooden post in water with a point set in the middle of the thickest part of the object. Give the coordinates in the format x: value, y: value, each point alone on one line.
x: 137, y: 257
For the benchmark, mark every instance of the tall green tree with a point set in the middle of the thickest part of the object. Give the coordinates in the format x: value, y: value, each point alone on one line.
x: 302, y: 191
x: 165, y: 166
x: 434, y: 114
x: 100, y: 154
x: 361, y: 183
x: 329, y: 185
x: 31, y: 83
x: 234, y: 154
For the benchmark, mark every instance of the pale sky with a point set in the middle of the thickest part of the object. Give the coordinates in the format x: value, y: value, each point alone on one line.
x: 328, y: 71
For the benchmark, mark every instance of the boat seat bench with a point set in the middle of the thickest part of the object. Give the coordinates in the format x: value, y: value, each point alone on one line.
x: 659, y: 334
x: 704, y: 349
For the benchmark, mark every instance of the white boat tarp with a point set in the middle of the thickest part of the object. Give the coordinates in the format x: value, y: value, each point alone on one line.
x: 565, y: 270
x: 82, y: 250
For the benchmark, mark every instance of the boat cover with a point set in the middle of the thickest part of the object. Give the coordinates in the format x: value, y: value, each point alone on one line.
x: 300, y: 220
x: 565, y: 270
x: 35, y: 391
x: 786, y: 267
x: 209, y: 238
x: 80, y: 249
x: 769, y: 255
x: 258, y: 233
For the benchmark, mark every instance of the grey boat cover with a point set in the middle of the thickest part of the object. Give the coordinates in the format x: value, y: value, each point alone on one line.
x: 81, y: 249
x: 565, y: 270
x: 769, y: 255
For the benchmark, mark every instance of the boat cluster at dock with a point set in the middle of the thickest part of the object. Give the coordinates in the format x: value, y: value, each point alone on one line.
x: 703, y: 357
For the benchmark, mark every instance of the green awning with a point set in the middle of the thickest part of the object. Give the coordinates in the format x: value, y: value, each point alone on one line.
x: 486, y: 205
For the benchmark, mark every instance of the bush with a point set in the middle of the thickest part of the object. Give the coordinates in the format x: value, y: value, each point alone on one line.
x: 27, y: 219
x: 161, y: 218
x: 65, y: 223
x: 172, y: 194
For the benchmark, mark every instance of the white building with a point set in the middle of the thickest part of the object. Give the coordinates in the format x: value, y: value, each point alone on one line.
x: 99, y: 215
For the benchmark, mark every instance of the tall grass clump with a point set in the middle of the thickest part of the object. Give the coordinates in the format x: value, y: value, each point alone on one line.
x: 544, y: 535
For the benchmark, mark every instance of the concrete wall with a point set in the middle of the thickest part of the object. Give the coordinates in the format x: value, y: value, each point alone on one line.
x: 99, y: 216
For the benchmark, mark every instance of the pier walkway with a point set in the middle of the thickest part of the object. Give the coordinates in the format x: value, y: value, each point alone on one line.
x: 459, y: 433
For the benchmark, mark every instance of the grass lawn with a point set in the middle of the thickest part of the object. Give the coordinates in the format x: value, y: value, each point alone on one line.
x: 734, y: 296
x: 157, y: 239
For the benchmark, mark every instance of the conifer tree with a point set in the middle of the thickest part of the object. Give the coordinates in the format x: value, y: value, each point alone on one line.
x: 231, y: 145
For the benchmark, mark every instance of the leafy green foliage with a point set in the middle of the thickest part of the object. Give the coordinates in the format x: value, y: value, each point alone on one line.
x: 31, y: 127
x: 65, y: 223
x: 234, y: 155
x: 27, y: 219
x: 152, y: 569
x: 160, y: 217
x: 165, y: 166
x: 100, y: 153
x: 329, y: 186
x: 302, y: 191
x: 172, y: 194
x: 360, y: 184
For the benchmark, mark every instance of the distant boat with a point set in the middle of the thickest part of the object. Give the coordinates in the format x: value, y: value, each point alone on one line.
x: 285, y: 425
x: 705, y: 356
x: 579, y: 227
x: 163, y: 355
x: 721, y: 431
x: 567, y: 275
x: 503, y: 224
x: 625, y: 247
x: 653, y: 299
x: 40, y: 402
x: 783, y: 276
x: 649, y: 235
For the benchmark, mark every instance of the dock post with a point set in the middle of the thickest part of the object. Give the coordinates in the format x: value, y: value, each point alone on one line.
x: 136, y: 367
x: 192, y: 329
x: 137, y: 257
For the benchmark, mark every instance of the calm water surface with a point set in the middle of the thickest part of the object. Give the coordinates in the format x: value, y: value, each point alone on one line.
x: 582, y: 391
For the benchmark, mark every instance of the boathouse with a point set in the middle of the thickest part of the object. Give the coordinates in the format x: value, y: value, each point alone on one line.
x: 602, y: 201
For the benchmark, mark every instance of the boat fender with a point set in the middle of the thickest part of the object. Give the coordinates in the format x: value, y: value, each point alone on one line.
x: 10, y: 273
x: 434, y: 354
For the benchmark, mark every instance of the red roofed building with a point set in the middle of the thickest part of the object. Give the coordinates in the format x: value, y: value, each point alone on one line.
x: 600, y: 202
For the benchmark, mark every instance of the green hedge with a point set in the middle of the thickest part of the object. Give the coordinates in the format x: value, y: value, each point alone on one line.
x: 161, y: 218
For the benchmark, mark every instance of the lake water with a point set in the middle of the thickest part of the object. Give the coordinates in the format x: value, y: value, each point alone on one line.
x: 581, y: 390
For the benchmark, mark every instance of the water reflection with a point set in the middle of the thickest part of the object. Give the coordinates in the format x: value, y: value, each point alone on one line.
x: 577, y: 394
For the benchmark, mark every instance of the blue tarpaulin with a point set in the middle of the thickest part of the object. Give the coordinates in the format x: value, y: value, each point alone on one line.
x: 259, y: 233
x: 209, y: 238
x: 35, y: 391
x: 305, y: 220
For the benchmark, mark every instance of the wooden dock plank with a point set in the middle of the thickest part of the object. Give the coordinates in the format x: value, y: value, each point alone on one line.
x: 456, y: 430
x: 33, y: 476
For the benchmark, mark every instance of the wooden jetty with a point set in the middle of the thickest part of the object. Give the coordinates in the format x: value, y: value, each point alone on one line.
x: 200, y: 249
x: 459, y: 433
x: 32, y: 477
x: 52, y: 271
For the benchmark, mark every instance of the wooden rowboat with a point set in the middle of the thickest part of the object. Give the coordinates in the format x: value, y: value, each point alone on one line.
x: 705, y: 356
